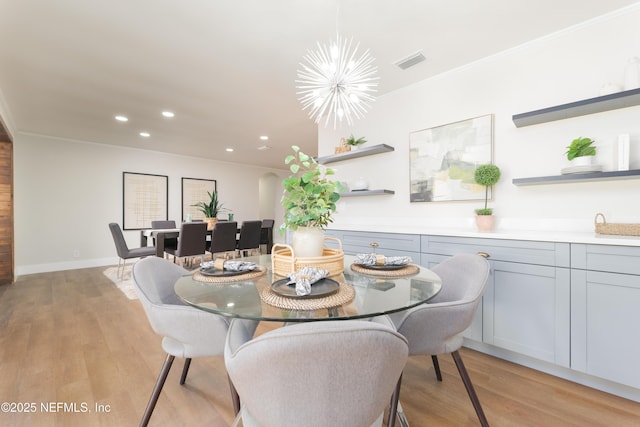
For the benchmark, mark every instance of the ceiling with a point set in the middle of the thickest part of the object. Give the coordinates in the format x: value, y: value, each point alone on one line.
x: 228, y: 68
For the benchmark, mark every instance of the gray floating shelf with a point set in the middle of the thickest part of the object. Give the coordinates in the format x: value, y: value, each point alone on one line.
x: 578, y: 177
x: 354, y: 154
x: 366, y: 193
x: 614, y: 101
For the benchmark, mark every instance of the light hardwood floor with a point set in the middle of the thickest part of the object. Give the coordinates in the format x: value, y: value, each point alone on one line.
x: 73, y: 337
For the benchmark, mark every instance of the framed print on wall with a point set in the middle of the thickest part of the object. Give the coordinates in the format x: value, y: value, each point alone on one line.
x: 195, y: 190
x: 144, y: 199
x: 443, y: 160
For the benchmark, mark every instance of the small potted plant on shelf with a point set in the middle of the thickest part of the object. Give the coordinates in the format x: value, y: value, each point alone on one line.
x: 486, y: 175
x: 211, y: 208
x: 355, y: 143
x: 309, y: 200
x: 581, y: 151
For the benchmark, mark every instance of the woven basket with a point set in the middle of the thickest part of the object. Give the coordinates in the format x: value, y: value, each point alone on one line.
x: 616, y: 229
x: 343, y: 148
x: 284, y: 261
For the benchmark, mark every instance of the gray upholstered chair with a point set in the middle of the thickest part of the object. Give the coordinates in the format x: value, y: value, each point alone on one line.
x: 249, y: 239
x: 317, y: 374
x: 187, y: 331
x: 223, y: 238
x: 124, y: 253
x: 171, y: 242
x: 436, y: 327
x: 192, y: 241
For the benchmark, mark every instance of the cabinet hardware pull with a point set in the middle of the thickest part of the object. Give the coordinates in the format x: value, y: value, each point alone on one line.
x: 373, y: 244
x: 484, y: 254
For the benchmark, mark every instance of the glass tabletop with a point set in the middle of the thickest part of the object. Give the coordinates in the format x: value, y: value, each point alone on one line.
x: 374, y: 295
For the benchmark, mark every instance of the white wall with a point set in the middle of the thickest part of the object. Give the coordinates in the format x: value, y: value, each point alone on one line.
x: 561, y: 68
x: 66, y: 192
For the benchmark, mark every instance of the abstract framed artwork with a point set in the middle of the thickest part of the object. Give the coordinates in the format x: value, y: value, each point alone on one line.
x: 195, y: 190
x: 443, y: 160
x: 144, y: 199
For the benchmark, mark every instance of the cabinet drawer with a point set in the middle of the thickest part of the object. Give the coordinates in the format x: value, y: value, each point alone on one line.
x: 614, y: 259
x: 387, y: 243
x: 526, y: 252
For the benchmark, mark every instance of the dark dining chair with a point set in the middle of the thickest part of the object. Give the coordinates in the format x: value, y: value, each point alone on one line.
x: 249, y: 239
x: 170, y: 242
x: 223, y: 238
x: 266, y: 234
x: 191, y: 242
x: 124, y: 253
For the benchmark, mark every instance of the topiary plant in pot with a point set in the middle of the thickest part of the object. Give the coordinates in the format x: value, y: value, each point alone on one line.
x: 309, y: 200
x: 487, y: 176
x: 580, y: 151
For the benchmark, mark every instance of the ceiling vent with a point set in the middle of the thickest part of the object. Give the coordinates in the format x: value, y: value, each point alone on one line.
x: 410, y: 60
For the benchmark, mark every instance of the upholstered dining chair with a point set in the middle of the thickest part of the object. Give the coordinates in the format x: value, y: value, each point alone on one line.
x: 249, y: 239
x: 266, y: 234
x: 171, y: 242
x: 316, y: 374
x: 124, y: 253
x: 223, y: 238
x: 436, y: 327
x: 191, y: 242
x: 187, y: 331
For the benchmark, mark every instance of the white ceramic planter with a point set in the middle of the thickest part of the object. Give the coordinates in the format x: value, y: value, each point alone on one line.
x: 307, y: 242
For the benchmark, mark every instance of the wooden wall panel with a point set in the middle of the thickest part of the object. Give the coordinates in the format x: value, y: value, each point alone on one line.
x: 6, y: 208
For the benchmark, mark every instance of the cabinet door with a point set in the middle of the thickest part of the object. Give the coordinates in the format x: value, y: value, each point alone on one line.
x: 474, y: 331
x: 526, y: 310
x: 605, y: 317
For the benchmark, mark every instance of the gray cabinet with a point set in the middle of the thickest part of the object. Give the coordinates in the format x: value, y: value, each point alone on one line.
x: 605, y: 312
x: 390, y: 244
x: 525, y: 307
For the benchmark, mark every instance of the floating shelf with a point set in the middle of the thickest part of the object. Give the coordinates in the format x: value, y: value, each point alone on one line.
x: 614, y: 101
x: 578, y: 177
x: 354, y: 154
x: 366, y: 193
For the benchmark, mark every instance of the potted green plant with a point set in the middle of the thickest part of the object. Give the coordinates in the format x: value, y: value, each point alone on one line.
x: 309, y: 200
x: 581, y: 151
x: 211, y: 208
x: 355, y: 143
x: 487, y: 176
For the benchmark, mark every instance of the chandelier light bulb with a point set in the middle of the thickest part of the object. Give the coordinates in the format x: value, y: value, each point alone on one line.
x: 336, y: 82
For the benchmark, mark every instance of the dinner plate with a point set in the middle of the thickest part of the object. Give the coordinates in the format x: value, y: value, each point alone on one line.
x: 321, y: 288
x: 215, y: 272
x: 382, y: 267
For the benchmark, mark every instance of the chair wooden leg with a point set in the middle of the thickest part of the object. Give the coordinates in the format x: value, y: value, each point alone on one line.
x: 166, y: 366
x: 436, y: 367
x: 235, y: 398
x: 185, y: 370
x: 393, y: 406
x: 470, y: 390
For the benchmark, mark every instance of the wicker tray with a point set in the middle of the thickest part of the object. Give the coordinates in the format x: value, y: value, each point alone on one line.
x: 616, y: 229
x: 284, y: 261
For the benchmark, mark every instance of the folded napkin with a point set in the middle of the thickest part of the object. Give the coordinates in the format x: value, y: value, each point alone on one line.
x: 305, y: 277
x: 230, y: 265
x: 378, y: 259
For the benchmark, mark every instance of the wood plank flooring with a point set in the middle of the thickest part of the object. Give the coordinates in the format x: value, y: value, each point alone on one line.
x: 72, y: 337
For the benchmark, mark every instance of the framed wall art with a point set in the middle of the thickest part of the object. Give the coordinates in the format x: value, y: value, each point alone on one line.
x: 144, y: 199
x: 195, y: 190
x: 443, y: 160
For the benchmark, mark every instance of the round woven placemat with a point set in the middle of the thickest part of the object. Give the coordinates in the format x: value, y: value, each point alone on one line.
x: 408, y: 270
x: 345, y: 294
x: 259, y: 271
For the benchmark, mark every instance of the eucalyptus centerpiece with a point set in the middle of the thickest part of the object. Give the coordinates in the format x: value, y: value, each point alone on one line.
x: 210, y: 208
x: 487, y: 176
x: 309, y: 201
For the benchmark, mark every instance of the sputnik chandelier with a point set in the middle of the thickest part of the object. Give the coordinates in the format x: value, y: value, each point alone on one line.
x: 336, y: 83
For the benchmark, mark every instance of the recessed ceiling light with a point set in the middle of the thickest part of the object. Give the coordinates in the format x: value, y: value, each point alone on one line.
x: 264, y: 147
x: 168, y: 114
x: 229, y: 150
x: 264, y: 137
x: 122, y: 119
x: 145, y: 134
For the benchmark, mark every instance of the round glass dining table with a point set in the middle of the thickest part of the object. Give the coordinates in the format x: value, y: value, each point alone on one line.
x: 374, y: 295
